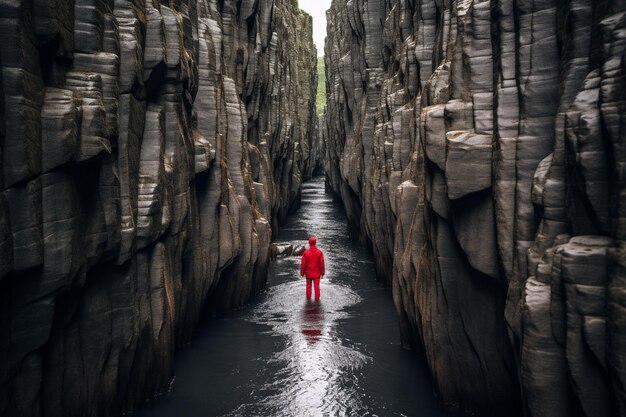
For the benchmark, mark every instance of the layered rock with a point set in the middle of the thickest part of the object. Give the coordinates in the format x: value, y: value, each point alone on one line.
x: 478, y: 147
x: 148, y: 150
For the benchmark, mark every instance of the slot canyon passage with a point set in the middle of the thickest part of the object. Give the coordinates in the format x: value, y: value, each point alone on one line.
x: 286, y: 356
x: 151, y: 151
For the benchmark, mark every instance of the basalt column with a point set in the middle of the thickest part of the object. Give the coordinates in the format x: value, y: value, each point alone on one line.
x: 148, y: 150
x: 478, y: 147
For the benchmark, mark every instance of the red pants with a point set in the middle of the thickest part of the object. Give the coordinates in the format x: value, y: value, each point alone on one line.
x: 310, y: 281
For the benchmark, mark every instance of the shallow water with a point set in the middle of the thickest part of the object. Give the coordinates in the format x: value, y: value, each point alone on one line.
x: 285, y: 356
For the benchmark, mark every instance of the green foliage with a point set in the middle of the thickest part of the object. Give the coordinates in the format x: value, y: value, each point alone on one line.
x: 321, y: 86
x: 296, y: 7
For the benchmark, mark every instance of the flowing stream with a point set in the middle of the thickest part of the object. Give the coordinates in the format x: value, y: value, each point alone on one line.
x: 286, y: 356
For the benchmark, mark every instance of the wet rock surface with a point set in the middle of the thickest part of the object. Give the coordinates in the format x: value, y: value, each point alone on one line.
x: 478, y: 147
x: 148, y: 151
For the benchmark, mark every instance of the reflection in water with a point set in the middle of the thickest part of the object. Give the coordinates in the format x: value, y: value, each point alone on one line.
x: 312, y: 362
x: 312, y: 322
x: 284, y: 356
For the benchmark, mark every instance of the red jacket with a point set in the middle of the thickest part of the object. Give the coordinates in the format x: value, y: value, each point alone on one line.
x: 312, y: 265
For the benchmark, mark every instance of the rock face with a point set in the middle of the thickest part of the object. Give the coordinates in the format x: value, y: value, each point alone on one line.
x: 478, y: 146
x: 148, y: 151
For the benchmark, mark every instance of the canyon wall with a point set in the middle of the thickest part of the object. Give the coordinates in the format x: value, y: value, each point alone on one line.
x: 148, y: 150
x: 479, y: 148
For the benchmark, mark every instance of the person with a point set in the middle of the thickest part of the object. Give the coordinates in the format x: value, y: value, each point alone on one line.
x: 312, y: 267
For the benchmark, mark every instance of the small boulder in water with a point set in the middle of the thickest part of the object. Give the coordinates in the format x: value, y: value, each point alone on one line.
x: 298, y: 250
x: 281, y: 249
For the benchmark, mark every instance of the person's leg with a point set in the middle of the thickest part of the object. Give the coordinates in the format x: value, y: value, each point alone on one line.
x: 317, y: 288
x: 308, y: 288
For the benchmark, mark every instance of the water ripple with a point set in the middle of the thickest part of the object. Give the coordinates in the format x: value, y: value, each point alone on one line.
x: 313, y: 356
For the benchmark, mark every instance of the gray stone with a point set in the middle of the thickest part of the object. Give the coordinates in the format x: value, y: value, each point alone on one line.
x: 93, y: 135
x: 468, y: 163
x: 59, y: 128
x: 298, y: 250
x: 281, y: 249
x: 25, y: 213
x: 433, y: 122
